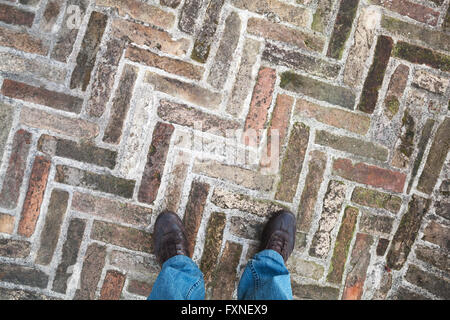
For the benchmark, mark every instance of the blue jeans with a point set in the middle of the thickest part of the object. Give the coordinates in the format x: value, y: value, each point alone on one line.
x: 265, y: 278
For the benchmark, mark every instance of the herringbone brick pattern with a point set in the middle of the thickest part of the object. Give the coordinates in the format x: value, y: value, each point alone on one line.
x: 109, y: 109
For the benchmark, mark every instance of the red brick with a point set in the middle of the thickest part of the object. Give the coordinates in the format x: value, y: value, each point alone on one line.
x: 242, y: 85
x: 112, y: 210
x: 342, y: 245
x: 376, y: 224
x: 281, y: 10
x: 364, y: 36
x: 67, y: 33
x: 293, y: 162
x: 6, y: 223
x: 314, y: 292
x: 194, y: 212
x: 406, y: 233
x: 434, y: 256
x: 89, y: 48
x: 100, y: 182
x: 439, y: 286
x: 142, y: 11
x: 150, y: 37
x: 50, y: 15
x: 6, y: 114
x: 35, y: 195
x: 374, y: 80
x: 186, y: 91
x: 371, y: 175
x: 82, y: 152
x: 306, y: 208
x: 410, y: 9
x: 14, y: 248
x: 12, y: 15
x: 22, y: 41
x: 179, y: 67
x: 170, y: 3
x: 241, y: 176
x: 436, y: 158
x: 352, y: 145
x: 205, y: 36
x: 332, y: 204
x: 260, y: 104
x: 140, y: 288
x: 120, y: 105
x: 219, y: 71
x: 280, y: 121
x: 293, y: 58
x: 376, y: 199
x: 420, y: 55
x: 101, y: 89
x: 317, y: 89
x: 57, y: 100
x: 112, y: 285
x: 189, y: 14
x: 185, y: 115
x: 213, y: 244
x: 397, y: 85
x: 382, y: 246
x: 438, y: 234
x: 69, y: 256
x: 275, y: 31
x: 359, y: 262
x: 403, y: 293
x: 342, y: 28
x: 26, y: 68
x: 421, y: 146
x: 230, y: 200
x: 339, y: 118
x: 223, y: 280
x: 93, y: 264
x: 16, y: 169
x: 56, y: 211
x: 74, y: 127
x: 126, y: 237
x: 177, y: 177
x: 156, y: 158
x: 23, y: 275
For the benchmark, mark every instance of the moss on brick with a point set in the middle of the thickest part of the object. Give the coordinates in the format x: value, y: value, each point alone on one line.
x: 342, y: 28
x: 392, y: 106
x: 213, y: 243
x: 317, y: 89
x: 109, y: 184
x: 407, y: 139
x: 406, y: 233
x: 376, y: 199
x: 342, y: 245
x: 420, y: 55
x: 436, y: 158
x: 200, y: 52
x: 322, y: 16
x: 374, y: 80
x: 446, y: 24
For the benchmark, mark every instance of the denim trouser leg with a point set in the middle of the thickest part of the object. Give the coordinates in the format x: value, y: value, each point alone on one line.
x: 265, y: 278
x: 179, y: 279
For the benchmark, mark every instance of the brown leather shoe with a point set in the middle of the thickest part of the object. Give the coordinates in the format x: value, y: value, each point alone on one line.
x: 169, y: 237
x: 279, y: 233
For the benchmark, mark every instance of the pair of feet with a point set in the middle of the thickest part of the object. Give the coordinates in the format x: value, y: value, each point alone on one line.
x: 170, y: 236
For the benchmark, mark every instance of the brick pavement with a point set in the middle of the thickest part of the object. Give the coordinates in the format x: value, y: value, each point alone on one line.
x: 110, y: 109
